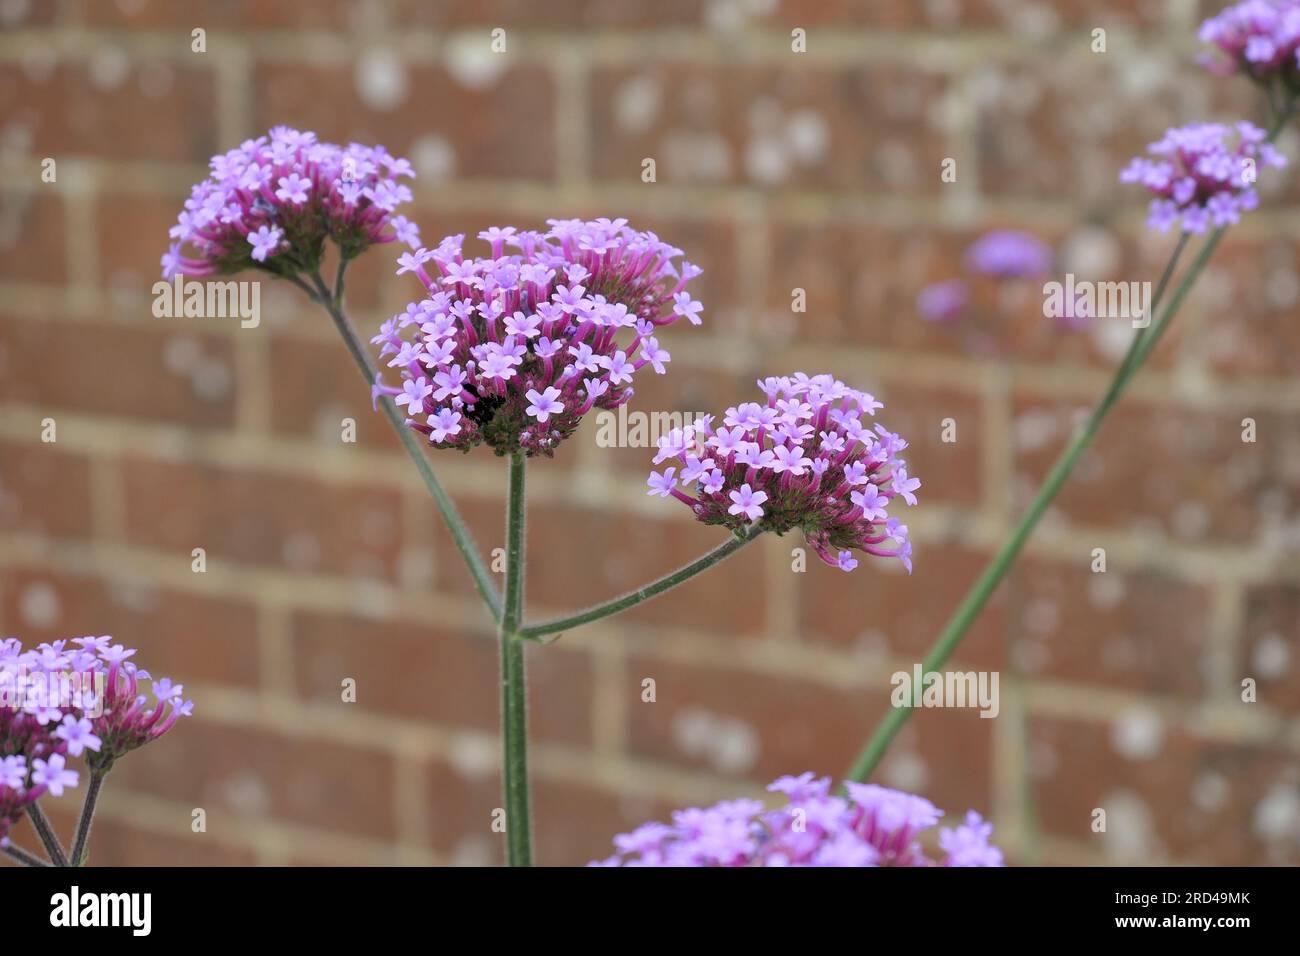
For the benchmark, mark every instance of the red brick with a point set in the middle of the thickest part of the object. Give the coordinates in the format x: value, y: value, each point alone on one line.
x: 116, y: 843
x: 876, y: 307
x: 1137, y: 630
x: 177, y: 371
x: 188, y: 637
x: 1177, y: 472
x: 1270, y: 646
x: 238, y: 773
x: 1248, y: 299
x: 572, y: 823
x: 880, y: 609
x: 483, y: 126
x: 129, y: 258
x: 33, y: 233
x: 710, y: 124
x: 69, y: 112
x: 239, y: 15
x: 1191, y: 800
x: 576, y: 15
x: 578, y: 558
x: 759, y: 727
x: 438, y: 675
x: 1032, y: 22
x: 315, y: 386
x: 1047, y: 133
x: 263, y: 519
x: 44, y: 490
x: 850, y: 305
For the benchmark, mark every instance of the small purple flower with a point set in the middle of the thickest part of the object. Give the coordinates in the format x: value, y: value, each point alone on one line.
x: 544, y: 404
x: 444, y: 424
x: 748, y: 502
x: 293, y: 189
x: 662, y: 484
x: 79, y: 733
x: 53, y: 774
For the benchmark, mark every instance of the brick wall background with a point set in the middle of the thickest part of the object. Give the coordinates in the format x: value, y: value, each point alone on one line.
x: 776, y: 170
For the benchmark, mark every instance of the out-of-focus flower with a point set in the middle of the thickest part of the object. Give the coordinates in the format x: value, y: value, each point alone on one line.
x: 1203, y: 174
x: 944, y: 302
x: 804, y: 458
x: 76, y: 698
x: 273, y: 202
x: 876, y: 826
x: 1260, y: 38
x: 513, y: 350
x: 1009, y: 254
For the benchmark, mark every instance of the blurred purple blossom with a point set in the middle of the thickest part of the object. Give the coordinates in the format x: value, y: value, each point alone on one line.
x: 1009, y: 254
x: 944, y: 302
x: 1256, y: 37
x: 875, y: 826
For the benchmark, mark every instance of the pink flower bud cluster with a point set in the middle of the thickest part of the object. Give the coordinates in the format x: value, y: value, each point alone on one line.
x: 71, y: 699
x: 875, y: 826
x: 512, y: 350
x: 273, y: 202
x: 804, y: 458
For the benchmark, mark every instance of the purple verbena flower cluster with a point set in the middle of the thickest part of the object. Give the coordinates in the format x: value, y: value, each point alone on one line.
x: 1260, y: 38
x: 514, y: 349
x: 804, y: 458
x: 76, y: 698
x: 876, y: 826
x: 272, y: 203
x: 1203, y: 173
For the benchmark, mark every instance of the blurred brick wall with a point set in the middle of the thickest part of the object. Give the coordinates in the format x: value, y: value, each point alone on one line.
x: 776, y: 170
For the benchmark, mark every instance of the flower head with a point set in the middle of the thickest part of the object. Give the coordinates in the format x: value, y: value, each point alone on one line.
x: 1203, y: 174
x: 807, y: 458
x: 1260, y: 38
x: 70, y: 699
x: 874, y: 827
x: 272, y: 202
x: 521, y: 345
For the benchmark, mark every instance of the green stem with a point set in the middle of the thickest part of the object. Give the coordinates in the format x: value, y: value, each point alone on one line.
x: 988, y: 582
x: 46, y: 832
x: 514, y: 692
x: 80, y: 845
x: 25, y: 857
x: 414, y: 447
x: 653, y: 589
